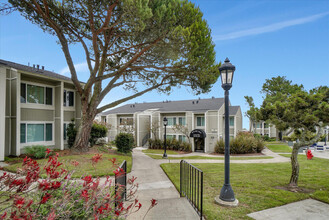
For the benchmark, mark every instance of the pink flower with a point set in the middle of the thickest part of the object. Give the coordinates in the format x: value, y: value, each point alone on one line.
x: 85, y: 195
x: 48, y: 151
x: 96, y: 158
x: 153, y: 202
x: 19, y: 202
x: 75, y: 163
x: 45, y: 198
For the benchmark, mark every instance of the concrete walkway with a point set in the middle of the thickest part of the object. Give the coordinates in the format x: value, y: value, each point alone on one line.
x: 306, y: 209
x: 154, y: 184
x: 276, y: 159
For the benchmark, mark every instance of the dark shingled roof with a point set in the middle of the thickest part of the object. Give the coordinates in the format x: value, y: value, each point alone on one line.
x: 198, y: 105
x: 234, y: 109
x: 34, y: 70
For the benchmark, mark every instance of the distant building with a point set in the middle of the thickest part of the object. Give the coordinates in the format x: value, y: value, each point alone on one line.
x: 35, y: 107
x: 202, y: 118
x: 263, y: 128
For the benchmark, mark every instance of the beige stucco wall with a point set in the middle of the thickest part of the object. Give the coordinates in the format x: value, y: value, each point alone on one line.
x: 2, y: 112
x: 28, y: 114
x: 238, y: 122
x: 143, y: 131
x: 15, y: 112
x: 211, y: 130
x: 112, y: 121
x: 59, y: 121
x: 68, y: 115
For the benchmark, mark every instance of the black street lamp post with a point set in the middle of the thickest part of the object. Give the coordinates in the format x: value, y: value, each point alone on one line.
x: 226, y: 196
x: 165, y: 123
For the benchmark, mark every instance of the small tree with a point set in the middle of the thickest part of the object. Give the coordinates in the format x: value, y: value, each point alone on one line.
x: 154, y: 129
x: 252, y: 112
x: 306, y: 113
x: 183, y: 129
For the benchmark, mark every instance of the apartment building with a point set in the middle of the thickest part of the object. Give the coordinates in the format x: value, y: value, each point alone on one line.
x: 200, y: 121
x: 35, y: 107
x: 263, y: 128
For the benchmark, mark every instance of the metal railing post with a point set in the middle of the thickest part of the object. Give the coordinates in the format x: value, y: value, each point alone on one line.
x: 191, y: 185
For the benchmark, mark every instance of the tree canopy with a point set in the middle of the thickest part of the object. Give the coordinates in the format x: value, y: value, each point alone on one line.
x: 158, y: 44
x: 290, y: 106
x: 139, y: 45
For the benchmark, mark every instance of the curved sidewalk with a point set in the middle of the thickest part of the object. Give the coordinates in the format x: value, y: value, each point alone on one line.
x: 276, y: 159
x: 154, y: 184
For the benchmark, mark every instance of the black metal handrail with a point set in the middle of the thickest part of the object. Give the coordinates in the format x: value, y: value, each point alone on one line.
x: 191, y: 185
x: 121, y: 183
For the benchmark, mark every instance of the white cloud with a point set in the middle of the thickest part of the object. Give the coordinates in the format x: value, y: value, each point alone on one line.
x: 269, y: 28
x: 79, y: 68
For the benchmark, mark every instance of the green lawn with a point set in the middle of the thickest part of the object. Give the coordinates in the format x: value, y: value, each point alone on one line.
x: 254, y: 185
x: 103, y: 168
x: 208, y: 158
x: 279, y: 148
x: 160, y: 151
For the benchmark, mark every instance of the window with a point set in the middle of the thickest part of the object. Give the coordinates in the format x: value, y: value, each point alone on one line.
x: 182, y: 120
x: 259, y: 125
x: 232, y: 121
x: 68, y: 98
x: 36, y: 94
x: 64, y: 130
x: 126, y: 121
x: 199, y: 121
x: 171, y: 137
x: 49, y: 132
x: 36, y: 132
x: 49, y: 96
x: 171, y: 121
x: 23, y: 93
x: 23, y: 133
x: 182, y: 138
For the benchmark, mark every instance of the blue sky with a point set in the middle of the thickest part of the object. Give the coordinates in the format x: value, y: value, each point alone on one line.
x: 263, y: 39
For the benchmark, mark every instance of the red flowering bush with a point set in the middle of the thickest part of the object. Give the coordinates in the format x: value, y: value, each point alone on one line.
x: 25, y: 196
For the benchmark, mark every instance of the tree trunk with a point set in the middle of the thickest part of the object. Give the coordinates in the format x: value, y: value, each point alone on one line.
x: 294, y: 166
x: 81, y: 142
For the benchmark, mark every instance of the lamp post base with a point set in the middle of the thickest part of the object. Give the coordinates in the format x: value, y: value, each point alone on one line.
x: 164, y: 156
x: 225, y: 203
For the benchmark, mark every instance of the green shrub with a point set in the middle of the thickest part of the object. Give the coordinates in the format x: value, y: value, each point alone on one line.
x: 244, y: 143
x: 172, y: 144
x: 124, y: 142
x: 71, y: 133
x: 220, y: 146
x: 97, y: 131
x: 36, y: 152
x: 258, y: 136
x: 266, y: 138
x: 271, y: 139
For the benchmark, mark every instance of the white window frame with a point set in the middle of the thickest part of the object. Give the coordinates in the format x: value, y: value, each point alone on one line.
x: 126, y: 118
x: 170, y: 126
x: 66, y: 107
x: 175, y: 136
x: 204, y: 119
x: 231, y: 126
x: 181, y: 117
x: 182, y: 138
x: 47, y: 143
x: 37, y: 105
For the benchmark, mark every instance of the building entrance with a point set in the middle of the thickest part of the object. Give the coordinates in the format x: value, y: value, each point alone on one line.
x: 198, y: 136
